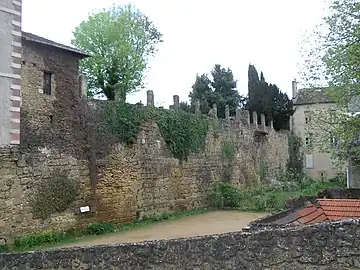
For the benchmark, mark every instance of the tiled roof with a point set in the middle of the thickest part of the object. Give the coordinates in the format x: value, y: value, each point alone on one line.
x: 38, y: 39
x: 312, y: 96
x: 336, y: 209
x: 310, y: 214
x: 323, y: 210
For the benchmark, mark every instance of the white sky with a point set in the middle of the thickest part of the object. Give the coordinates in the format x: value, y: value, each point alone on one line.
x: 197, y: 35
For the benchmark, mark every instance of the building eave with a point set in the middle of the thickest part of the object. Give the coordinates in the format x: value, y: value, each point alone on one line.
x: 37, y: 39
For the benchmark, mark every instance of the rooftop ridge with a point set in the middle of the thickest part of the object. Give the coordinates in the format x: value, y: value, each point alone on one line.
x: 38, y: 39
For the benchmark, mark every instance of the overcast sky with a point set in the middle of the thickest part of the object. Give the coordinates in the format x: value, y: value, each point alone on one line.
x: 197, y: 35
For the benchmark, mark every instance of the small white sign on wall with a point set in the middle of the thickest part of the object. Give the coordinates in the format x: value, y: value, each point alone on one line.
x: 84, y: 209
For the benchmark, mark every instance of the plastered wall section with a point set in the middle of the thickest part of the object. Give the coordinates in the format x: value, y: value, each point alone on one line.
x: 322, y: 162
x: 10, y: 71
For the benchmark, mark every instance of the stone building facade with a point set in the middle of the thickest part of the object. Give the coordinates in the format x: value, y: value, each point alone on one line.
x: 131, y: 181
x: 317, y: 164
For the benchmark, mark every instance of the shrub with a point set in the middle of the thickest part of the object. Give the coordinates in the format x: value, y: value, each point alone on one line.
x: 267, y: 199
x: 225, y: 195
x: 100, y: 228
x: 4, y: 248
x: 33, y: 240
x: 184, y: 133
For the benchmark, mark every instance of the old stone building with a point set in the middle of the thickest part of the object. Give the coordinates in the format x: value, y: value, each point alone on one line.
x: 51, y: 87
x: 317, y: 164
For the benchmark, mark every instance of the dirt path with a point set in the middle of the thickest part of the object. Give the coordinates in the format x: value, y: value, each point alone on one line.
x: 204, y: 224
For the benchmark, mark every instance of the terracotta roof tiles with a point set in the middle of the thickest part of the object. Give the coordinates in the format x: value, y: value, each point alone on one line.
x: 324, y: 210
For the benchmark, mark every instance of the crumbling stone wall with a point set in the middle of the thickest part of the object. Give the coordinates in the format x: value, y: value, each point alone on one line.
x: 19, y: 173
x: 327, y: 246
x: 119, y: 183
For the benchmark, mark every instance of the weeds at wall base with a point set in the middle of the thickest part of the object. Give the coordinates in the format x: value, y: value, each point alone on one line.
x: 51, y: 239
x: 262, y: 199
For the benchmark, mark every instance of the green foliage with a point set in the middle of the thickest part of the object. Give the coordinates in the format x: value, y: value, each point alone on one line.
x: 228, y: 150
x: 125, y: 120
x: 53, y: 195
x: 120, y: 41
x: 4, y: 248
x: 224, y: 195
x: 267, y: 99
x: 333, y: 61
x: 264, y: 199
x: 216, y: 127
x: 295, y: 162
x: 221, y: 90
x: 100, y: 228
x: 290, y: 178
x: 262, y: 169
x: 33, y: 241
x: 184, y: 106
x: 184, y: 133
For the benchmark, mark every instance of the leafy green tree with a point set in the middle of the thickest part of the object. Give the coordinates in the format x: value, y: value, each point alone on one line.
x: 184, y: 106
x: 203, y: 92
x: 333, y: 61
x: 120, y: 41
x: 220, y: 90
x: 267, y: 99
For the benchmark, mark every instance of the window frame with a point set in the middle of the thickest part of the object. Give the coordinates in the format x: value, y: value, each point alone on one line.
x: 47, y: 82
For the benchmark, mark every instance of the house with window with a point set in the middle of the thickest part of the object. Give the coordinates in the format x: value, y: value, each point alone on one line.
x: 317, y: 164
x: 39, y: 81
x: 50, y: 84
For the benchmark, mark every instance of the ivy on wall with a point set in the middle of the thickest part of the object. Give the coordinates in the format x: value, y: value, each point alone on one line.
x: 295, y: 162
x: 184, y: 133
x: 53, y: 195
x: 228, y: 150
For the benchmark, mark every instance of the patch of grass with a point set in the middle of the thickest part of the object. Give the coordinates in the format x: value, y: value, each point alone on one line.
x: 4, y: 248
x: 262, y: 199
x: 50, y: 239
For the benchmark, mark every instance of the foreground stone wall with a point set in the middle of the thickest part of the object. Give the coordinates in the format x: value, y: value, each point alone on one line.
x: 319, y: 247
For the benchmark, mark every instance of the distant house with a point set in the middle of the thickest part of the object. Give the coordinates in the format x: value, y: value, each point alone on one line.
x: 317, y: 165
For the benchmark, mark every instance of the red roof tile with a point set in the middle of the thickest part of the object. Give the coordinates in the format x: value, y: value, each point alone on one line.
x: 310, y: 216
x: 320, y: 218
x: 328, y: 209
x: 306, y: 211
x: 336, y: 209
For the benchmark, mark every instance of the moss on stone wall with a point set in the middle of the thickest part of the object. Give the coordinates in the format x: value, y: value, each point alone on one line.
x: 53, y: 195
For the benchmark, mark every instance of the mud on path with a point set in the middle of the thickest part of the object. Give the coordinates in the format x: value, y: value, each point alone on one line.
x: 204, y: 224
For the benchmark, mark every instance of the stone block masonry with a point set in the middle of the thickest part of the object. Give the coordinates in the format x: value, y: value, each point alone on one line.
x: 61, y: 135
x: 133, y: 182
x: 328, y: 246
